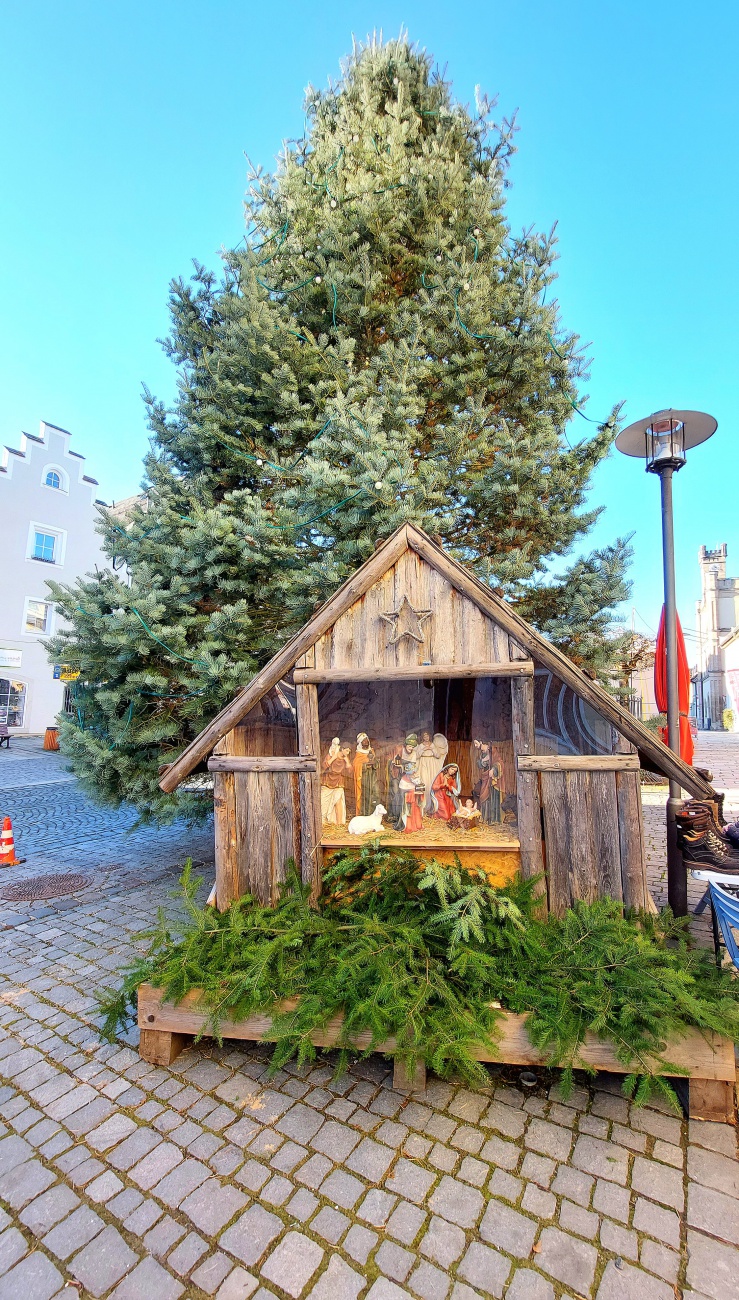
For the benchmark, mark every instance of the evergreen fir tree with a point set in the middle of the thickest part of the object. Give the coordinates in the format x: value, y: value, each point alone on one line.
x: 380, y: 349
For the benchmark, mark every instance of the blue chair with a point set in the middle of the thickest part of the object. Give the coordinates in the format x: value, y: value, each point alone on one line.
x: 725, y: 908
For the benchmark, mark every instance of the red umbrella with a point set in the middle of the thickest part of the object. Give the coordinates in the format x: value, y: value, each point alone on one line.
x: 683, y: 685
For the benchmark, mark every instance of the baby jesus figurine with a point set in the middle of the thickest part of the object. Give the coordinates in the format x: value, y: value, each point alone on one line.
x: 467, y: 816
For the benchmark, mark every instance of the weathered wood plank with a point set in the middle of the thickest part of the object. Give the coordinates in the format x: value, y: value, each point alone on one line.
x: 309, y: 742
x: 506, y: 668
x: 226, y: 839
x: 583, y: 863
x: 254, y: 791
x: 712, y: 1099
x: 556, y: 834
x: 283, y: 827
x: 404, y: 1081
x: 161, y: 1047
x: 606, y: 846
x: 704, y: 1056
x: 262, y: 763
x: 527, y: 784
x: 578, y: 762
x: 631, y: 839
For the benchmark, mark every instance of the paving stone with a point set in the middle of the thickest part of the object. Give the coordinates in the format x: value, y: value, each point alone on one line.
x: 658, y: 1259
x: 26, y: 1181
x: 142, y: 1218
x: 343, y: 1189
x: 34, y: 1278
x: 185, y: 1256
x: 392, y: 1134
x: 104, y: 1188
x: 211, y: 1206
x: 410, y: 1181
x: 593, y: 1125
x: 626, y: 1137
x: 440, y: 1127
x: 241, y: 1133
x: 156, y: 1165
x: 253, y: 1175
x: 239, y: 1285
x: 148, y: 1281
x: 511, y: 1123
x: 610, y: 1199
x: 506, y: 1228
x: 41, y: 1215
x: 111, y: 1131
x: 394, y: 1261
x: 457, y: 1202
x: 335, y: 1140
x: 473, y: 1171
x: 133, y: 1149
x: 293, y: 1263
x: 568, y: 1260
x: 604, y: 1159
x: 467, y: 1139
x: 371, y: 1160
x: 485, y: 1268
x: 527, y: 1285
x: 659, y: 1182
x: 628, y: 1283
x: 103, y: 1262
x: 302, y: 1205
x: 277, y: 1190
x: 715, y: 1137
x: 313, y: 1172
x: 505, y: 1155
x: 250, y: 1236
x: 359, y: 1243
x: 162, y: 1238
x: 619, y: 1240
x: 429, y: 1282
x: 668, y: 1154
x: 609, y: 1106
x: 538, y: 1202
x: 383, y: 1289
x: 714, y: 1170
x: 178, y: 1184
x: 13, y: 1151
x: 650, y: 1121
x: 338, y: 1282
x: 443, y: 1242
x: 13, y: 1246
x: 659, y: 1223
x: 460, y: 1291
x: 288, y: 1156
x: 330, y: 1224
x: 84, y: 1173
x: 209, y: 1275
x: 468, y: 1105
x: 262, y: 1104
x: 443, y: 1159
x: 376, y: 1208
x: 88, y: 1117
x: 713, y: 1212
x: 300, y: 1123
x: 73, y: 1233
x: 573, y: 1218
x: 538, y: 1169
x: 405, y: 1222
x: 267, y: 1141
x: 505, y: 1185
x: 549, y: 1139
x: 125, y: 1203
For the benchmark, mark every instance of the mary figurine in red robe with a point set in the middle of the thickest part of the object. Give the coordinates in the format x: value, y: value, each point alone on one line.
x: 445, y: 792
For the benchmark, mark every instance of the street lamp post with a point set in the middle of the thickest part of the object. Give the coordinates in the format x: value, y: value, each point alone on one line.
x: 663, y: 439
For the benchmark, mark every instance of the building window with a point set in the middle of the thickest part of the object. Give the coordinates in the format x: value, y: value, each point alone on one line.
x: 44, y: 547
x: 12, y: 702
x: 52, y: 479
x: 68, y: 704
x: 55, y: 477
x: 37, y: 617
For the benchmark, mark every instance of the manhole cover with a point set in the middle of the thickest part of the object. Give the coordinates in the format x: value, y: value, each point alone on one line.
x: 26, y: 891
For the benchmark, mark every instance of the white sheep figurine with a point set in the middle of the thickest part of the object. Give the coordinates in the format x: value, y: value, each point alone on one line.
x: 365, y: 825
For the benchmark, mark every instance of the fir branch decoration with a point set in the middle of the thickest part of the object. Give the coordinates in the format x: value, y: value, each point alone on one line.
x: 427, y: 956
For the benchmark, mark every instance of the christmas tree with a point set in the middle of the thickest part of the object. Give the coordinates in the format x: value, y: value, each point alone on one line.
x: 379, y: 349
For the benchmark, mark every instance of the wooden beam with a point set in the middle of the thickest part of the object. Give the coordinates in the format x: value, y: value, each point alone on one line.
x: 712, y: 1099
x: 702, y: 1053
x: 508, y: 668
x: 283, y: 661
x: 502, y: 613
x: 577, y: 762
x: 528, y: 800
x: 261, y: 763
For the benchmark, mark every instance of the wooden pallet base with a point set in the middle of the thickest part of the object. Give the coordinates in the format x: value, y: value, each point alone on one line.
x: 167, y: 1029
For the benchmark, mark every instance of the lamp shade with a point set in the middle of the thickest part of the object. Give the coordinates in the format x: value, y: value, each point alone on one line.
x: 697, y: 427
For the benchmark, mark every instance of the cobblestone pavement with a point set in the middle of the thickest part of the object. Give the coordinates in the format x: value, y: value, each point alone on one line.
x: 120, y: 1179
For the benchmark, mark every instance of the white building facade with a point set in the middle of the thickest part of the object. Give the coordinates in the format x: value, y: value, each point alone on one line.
x: 48, y: 512
x: 717, y: 614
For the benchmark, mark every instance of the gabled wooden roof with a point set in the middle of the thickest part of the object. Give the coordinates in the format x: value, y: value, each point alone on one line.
x: 654, y: 753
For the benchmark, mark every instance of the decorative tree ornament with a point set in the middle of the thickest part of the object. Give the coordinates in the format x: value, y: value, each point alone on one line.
x: 396, y: 81
x: 466, y: 284
x: 438, y: 257
x: 406, y: 621
x: 378, y: 487
x: 317, y: 279
x: 333, y: 203
x: 476, y: 231
x: 259, y: 460
x: 355, y: 139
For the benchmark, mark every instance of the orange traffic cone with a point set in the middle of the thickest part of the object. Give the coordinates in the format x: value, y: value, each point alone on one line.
x: 7, y: 846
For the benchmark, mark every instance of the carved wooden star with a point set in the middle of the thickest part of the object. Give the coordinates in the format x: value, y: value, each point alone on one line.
x: 406, y: 621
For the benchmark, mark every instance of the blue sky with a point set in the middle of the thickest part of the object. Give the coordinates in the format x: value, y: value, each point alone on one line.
x: 124, y: 126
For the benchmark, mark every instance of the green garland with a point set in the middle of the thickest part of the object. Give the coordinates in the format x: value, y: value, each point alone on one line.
x: 427, y: 956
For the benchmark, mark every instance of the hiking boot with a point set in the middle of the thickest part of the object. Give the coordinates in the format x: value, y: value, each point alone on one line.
x: 700, y: 854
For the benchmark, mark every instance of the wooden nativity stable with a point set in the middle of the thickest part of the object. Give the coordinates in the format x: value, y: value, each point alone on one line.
x: 417, y: 705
